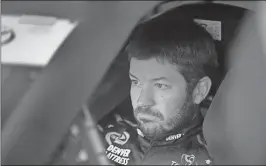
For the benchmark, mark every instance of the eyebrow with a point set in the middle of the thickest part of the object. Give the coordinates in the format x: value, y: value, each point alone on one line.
x: 133, y: 76
x: 154, y: 79
x: 160, y: 78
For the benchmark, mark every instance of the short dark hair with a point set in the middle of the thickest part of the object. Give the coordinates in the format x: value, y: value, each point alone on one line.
x: 179, y: 41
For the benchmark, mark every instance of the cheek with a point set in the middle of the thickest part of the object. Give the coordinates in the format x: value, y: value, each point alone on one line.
x: 169, y: 102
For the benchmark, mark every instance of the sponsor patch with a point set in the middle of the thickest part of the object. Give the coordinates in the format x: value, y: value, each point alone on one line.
x: 118, y: 138
x: 188, y: 159
x: 118, y: 155
x: 173, y: 137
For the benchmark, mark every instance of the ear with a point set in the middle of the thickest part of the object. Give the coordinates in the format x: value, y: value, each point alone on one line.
x: 201, y: 90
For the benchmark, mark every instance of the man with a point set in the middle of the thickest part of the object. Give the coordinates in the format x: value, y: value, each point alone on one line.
x: 168, y: 62
x: 168, y: 82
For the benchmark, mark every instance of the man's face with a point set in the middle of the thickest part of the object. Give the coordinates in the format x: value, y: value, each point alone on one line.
x: 159, y: 96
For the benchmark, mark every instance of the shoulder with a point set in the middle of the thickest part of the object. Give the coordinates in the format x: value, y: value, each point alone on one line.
x: 198, y: 153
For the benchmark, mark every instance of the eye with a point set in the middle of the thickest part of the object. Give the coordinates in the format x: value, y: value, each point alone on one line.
x: 134, y: 82
x: 161, y: 86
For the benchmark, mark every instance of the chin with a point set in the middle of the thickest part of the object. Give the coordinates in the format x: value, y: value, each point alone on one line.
x: 151, y: 129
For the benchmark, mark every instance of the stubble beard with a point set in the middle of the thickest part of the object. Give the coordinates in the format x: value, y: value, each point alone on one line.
x: 155, y: 130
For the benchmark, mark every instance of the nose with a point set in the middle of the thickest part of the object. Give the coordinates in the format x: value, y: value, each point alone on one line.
x: 146, y: 97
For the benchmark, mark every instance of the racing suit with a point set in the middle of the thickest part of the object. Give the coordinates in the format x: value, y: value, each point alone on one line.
x: 126, y: 145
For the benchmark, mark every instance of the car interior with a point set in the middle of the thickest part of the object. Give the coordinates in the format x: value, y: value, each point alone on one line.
x: 111, y: 95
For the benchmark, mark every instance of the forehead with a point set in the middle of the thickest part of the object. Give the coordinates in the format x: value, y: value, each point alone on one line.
x: 151, y: 68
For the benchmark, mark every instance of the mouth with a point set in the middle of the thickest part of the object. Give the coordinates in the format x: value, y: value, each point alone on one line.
x: 145, y: 118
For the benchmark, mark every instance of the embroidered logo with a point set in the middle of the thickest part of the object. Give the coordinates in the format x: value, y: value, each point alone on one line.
x: 173, y: 137
x: 118, y: 155
x: 117, y: 138
x: 188, y: 159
